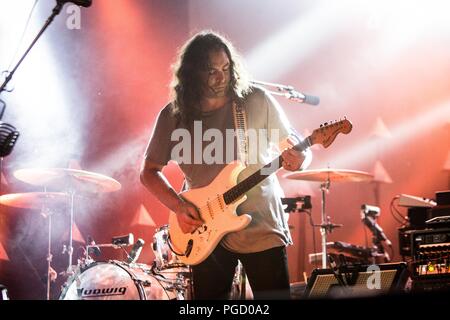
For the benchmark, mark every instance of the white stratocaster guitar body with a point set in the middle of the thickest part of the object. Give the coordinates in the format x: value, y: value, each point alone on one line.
x: 219, y: 217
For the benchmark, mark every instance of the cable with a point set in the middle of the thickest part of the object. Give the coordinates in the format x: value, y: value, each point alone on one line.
x: 23, y: 34
x: 392, y: 209
x: 404, y: 218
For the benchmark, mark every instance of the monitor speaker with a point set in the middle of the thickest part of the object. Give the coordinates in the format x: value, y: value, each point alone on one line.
x: 357, y: 281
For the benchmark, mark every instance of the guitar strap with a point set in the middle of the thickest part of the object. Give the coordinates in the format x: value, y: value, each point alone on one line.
x: 240, y: 125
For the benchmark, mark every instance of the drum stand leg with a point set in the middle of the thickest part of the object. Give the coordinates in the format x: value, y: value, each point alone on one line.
x: 49, y: 255
x: 46, y: 213
x: 70, y: 249
x: 326, y: 226
x: 243, y: 284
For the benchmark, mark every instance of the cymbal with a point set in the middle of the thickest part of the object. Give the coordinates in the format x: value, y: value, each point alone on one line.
x: 68, y: 179
x: 33, y: 200
x: 333, y: 175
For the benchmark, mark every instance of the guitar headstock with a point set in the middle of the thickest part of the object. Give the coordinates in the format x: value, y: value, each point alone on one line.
x: 326, y: 134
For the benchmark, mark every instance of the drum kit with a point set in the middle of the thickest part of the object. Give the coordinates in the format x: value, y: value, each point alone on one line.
x: 165, y: 279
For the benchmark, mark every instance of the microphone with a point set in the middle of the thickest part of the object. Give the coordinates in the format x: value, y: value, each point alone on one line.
x: 92, y: 247
x: 82, y: 3
x: 135, y: 251
x: 8, y: 138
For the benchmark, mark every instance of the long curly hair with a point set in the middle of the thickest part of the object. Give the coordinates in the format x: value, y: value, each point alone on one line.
x: 186, y: 82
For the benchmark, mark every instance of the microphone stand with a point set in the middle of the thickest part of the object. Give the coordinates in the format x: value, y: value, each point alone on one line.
x: 283, y: 90
x: 45, y: 212
x: 280, y: 87
x: 377, y: 238
x: 288, y: 92
x: 56, y: 10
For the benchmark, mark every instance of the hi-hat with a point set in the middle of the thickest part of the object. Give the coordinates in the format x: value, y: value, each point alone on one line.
x: 34, y: 200
x: 68, y: 179
x: 332, y: 175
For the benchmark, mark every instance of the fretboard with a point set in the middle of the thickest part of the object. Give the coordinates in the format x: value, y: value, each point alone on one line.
x: 245, y: 185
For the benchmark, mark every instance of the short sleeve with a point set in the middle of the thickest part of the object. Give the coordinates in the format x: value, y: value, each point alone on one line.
x: 277, y: 120
x: 159, y: 146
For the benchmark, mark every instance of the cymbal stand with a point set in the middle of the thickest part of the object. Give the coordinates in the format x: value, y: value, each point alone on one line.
x: 46, y: 213
x: 324, y: 187
x: 69, y: 248
x: 326, y: 225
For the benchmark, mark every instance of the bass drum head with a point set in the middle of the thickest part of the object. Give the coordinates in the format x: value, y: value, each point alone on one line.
x: 114, y: 281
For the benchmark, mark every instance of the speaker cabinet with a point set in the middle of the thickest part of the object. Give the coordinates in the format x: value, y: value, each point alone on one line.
x: 357, y: 281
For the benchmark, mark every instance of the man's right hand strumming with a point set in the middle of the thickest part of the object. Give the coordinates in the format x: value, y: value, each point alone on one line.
x: 188, y: 217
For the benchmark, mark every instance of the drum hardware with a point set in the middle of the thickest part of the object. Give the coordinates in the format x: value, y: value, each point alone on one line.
x: 72, y: 183
x: 135, y: 252
x: 115, y: 244
x: 146, y: 283
x: 164, y: 279
x: 167, y: 266
x: 126, y: 240
x: 43, y: 201
x: 165, y: 257
x: 239, y: 284
x: 326, y: 176
x: 93, y: 248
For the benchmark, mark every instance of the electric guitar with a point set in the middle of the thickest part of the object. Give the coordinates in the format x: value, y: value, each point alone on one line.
x: 218, y: 201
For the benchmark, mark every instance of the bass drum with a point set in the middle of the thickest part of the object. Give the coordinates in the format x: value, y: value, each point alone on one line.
x: 115, y: 280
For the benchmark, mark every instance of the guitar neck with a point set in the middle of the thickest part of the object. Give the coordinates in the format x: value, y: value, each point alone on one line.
x: 245, y: 185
